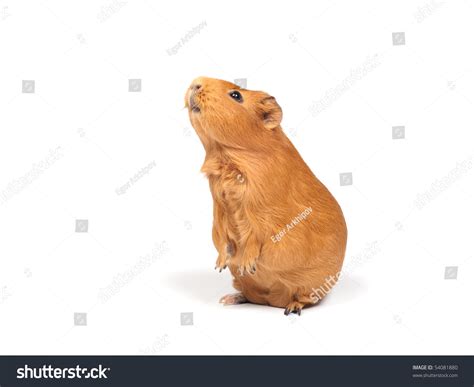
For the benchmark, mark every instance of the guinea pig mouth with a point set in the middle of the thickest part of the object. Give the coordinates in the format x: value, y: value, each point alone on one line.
x: 193, y: 104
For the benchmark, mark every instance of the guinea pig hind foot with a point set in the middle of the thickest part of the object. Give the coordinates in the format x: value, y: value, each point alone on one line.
x: 294, y: 307
x: 233, y: 299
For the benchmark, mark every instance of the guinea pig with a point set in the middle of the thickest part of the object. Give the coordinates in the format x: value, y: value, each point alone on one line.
x: 276, y: 226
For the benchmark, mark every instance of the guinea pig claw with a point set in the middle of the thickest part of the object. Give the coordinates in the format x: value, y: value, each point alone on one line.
x: 294, y: 307
x: 247, y: 269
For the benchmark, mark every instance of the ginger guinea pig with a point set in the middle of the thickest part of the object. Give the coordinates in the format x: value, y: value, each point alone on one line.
x: 276, y: 226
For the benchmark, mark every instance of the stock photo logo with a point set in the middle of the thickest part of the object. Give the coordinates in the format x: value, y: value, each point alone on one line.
x: 276, y: 245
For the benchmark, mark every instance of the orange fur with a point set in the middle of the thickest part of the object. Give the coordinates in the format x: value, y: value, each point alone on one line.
x: 259, y: 183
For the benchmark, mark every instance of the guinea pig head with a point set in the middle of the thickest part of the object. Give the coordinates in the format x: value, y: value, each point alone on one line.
x: 222, y: 112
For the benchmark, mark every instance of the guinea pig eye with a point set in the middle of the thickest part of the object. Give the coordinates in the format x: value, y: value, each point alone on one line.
x: 236, y: 95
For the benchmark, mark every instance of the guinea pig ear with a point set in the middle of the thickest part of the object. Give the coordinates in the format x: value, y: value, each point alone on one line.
x: 271, y: 112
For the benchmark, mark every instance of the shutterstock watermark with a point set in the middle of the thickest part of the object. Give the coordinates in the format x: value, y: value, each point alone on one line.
x: 438, y: 186
x: 158, y: 345
x: 318, y: 294
x: 369, y: 251
x: 50, y: 372
x: 120, y: 280
x: 107, y: 11
x: 4, y: 294
x: 333, y: 94
x: 4, y: 13
x: 290, y: 226
x: 426, y: 10
x: 186, y: 38
x: 37, y: 169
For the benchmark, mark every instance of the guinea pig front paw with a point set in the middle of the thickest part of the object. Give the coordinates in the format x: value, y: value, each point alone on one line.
x: 222, y: 261
x: 247, y: 265
x: 246, y: 261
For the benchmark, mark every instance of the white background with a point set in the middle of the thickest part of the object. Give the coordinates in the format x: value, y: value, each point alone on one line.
x: 394, y: 298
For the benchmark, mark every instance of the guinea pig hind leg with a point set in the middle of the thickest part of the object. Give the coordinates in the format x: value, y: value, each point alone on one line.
x: 233, y: 299
x: 297, y: 305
